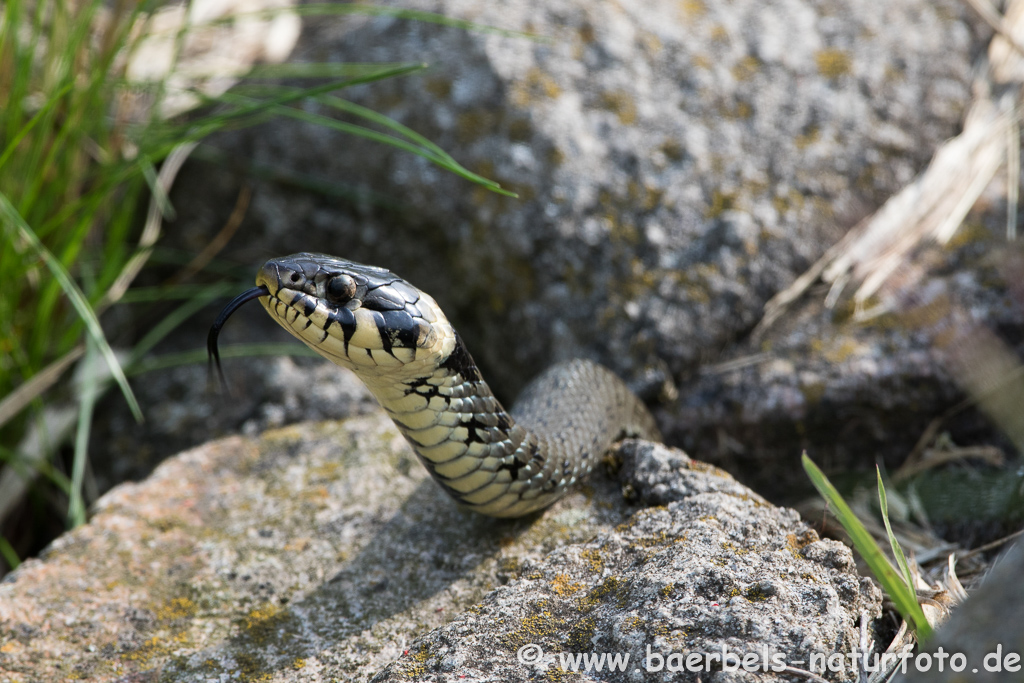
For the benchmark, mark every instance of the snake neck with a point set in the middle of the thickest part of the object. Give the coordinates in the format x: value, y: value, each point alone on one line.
x: 507, y: 464
x: 465, y: 437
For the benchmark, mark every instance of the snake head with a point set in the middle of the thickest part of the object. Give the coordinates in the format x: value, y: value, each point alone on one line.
x: 337, y: 281
x: 361, y: 317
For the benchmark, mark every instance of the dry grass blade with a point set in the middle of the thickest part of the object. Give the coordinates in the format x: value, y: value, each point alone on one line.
x: 933, y: 206
x: 219, y: 241
x: 999, y: 24
x: 991, y: 546
x: 17, y: 400
x: 154, y: 219
x: 934, y: 457
x: 951, y: 581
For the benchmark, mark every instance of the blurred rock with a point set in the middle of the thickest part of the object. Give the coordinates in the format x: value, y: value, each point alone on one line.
x: 199, y: 49
x: 986, y: 630
x: 677, y: 163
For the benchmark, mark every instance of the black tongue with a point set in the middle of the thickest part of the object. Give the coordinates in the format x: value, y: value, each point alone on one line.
x: 211, y: 339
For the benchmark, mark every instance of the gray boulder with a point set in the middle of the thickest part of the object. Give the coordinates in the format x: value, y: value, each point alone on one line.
x: 677, y: 164
x: 324, y: 551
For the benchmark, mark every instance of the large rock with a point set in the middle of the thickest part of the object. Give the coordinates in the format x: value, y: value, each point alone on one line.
x: 323, y: 551
x: 677, y: 163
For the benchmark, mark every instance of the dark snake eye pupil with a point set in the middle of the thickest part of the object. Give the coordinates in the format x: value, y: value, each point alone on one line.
x: 341, y: 287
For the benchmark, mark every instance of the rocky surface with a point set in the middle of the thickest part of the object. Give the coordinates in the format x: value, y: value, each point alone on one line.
x: 713, y: 569
x: 324, y: 552
x: 824, y: 382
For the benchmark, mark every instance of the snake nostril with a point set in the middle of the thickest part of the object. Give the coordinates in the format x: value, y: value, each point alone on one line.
x: 295, y: 278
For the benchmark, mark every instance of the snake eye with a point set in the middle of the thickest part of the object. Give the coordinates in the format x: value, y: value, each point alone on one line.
x: 340, y: 288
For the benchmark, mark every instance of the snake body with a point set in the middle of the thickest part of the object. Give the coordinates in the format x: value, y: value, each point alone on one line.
x: 400, y: 344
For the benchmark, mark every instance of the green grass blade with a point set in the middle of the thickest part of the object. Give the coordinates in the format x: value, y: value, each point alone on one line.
x: 385, y: 121
x: 179, y: 315
x: 10, y: 556
x: 413, y: 142
x: 897, y: 551
x: 86, y: 403
x: 902, y: 595
x: 74, y: 294
x: 342, y: 70
x: 221, y: 120
x: 27, y: 128
x: 444, y: 162
x: 427, y: 152
x: 43, y: 467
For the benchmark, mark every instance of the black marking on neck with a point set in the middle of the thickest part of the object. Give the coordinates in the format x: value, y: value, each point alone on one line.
x: 400, y: 328
x: 476, y: 429
x: 460, y: 362
x: 414, y: 386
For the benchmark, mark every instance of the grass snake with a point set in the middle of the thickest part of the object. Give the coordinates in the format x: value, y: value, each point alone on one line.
x: 398, y: 341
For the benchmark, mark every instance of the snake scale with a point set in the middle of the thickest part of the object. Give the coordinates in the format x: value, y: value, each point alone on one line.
x: 400, y: 344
